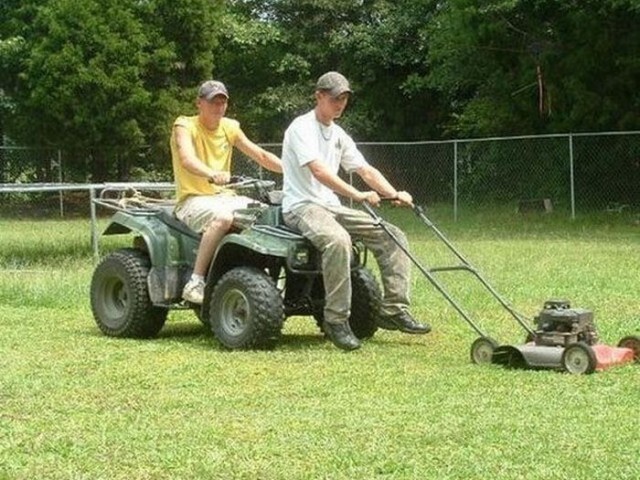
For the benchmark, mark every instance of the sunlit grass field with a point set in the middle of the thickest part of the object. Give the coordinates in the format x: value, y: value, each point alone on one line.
x: 75, y: 404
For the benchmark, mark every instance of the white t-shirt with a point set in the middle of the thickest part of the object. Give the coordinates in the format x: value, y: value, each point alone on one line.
x: 306, y: 140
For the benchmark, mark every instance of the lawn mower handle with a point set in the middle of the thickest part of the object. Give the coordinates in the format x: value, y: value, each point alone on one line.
x: 465, y: 265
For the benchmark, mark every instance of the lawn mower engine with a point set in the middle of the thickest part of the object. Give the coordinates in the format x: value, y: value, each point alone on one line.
x: 560, y: 325
x: 566, y: 338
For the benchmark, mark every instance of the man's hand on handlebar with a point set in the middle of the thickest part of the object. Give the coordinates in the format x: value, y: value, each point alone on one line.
x: 371, y: 197
x: 403, y: 198
x: 220, y: 178
x: 400, y: 199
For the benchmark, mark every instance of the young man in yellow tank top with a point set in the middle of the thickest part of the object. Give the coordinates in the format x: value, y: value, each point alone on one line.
x: 201, y: 150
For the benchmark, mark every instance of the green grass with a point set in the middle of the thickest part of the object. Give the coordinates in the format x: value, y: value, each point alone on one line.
x: 75, y: 404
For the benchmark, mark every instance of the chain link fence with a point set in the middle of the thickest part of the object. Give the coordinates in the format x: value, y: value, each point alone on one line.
x: 574, y: 173
x: 29, y: 176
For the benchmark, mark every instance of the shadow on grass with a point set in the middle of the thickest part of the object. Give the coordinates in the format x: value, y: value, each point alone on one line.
x: 195, y: 334
x: 198, y: 335
x: 183, y: 330
x: 299, y: 341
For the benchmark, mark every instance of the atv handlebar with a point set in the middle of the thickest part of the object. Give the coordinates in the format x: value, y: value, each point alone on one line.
x: 240, y: 181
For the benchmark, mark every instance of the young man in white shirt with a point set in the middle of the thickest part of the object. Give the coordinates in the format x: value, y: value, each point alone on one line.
x: 314, y: 149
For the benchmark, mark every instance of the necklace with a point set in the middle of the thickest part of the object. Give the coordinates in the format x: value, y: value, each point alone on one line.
x: 326, y: 132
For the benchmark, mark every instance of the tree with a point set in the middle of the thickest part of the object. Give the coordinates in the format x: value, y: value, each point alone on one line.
x: 273, y: 51
x: 103, y: 74
x: 387, y: 51
x: 516, y: 67
x: 100, y: 74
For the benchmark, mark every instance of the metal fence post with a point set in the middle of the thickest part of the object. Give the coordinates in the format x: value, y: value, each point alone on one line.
x: 455, y: 180
x: 60, y: 194
x: 572, y: 179
x: 94, y: 224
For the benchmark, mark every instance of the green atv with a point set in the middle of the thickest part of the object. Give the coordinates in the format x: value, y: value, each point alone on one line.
x: 261, y: 274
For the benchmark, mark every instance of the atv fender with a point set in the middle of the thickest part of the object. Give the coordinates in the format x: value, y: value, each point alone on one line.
x: 171, y: 252
x: 263, y: 246
x: 272, y: 241
x: 163, y: 244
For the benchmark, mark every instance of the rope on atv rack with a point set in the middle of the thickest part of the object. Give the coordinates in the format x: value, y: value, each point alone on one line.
x: 132, y: 201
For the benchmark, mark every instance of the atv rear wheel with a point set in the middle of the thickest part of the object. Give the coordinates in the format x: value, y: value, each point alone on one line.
x: 365, y: 303
x: 120, y: 297
x: 246, y: 309
x: 366, y: 300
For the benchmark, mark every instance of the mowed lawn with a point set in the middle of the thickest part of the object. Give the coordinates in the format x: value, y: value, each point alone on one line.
x: 75, y: 404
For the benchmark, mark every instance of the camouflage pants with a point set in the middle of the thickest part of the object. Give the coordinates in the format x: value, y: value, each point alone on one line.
x: 331, y: 230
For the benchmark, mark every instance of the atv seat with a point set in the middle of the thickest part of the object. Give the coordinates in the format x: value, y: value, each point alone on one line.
x: 166, y: 215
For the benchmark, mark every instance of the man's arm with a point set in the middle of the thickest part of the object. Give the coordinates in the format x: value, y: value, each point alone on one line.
x: 265, y: 159
x: 374, y: 178
x: 190, y: 161
x: 329, y: 179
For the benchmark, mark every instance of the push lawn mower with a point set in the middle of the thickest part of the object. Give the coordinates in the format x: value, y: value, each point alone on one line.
x: 562, y: 338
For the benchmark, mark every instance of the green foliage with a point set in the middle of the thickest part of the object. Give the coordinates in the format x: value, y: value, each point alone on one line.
x: 90, y: 73
x: 512, y: 67
x: 84, y: 66
x: 96, y: 74
x: 260, y: 72
x: 372, y: 42
x: 387, y: 53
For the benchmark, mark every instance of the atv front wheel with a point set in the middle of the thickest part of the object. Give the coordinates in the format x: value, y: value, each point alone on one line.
x: 246, y: 309
x: 120, y: 296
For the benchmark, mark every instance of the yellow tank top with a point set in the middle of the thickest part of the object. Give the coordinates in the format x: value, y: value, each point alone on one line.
x: 213, y: 147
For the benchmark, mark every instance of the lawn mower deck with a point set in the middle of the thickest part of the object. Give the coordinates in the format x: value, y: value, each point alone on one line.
x: 566, y: 338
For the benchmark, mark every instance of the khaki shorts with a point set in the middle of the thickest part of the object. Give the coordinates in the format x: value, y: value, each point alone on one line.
x: 198, y: 211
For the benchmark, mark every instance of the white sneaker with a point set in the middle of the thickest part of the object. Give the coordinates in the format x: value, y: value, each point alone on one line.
x: 194, y: 291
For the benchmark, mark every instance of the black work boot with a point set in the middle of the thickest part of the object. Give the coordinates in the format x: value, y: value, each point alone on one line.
x: 341, y: 335
x: 404, y: 322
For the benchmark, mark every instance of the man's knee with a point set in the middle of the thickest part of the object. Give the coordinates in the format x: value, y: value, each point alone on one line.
x: 340, y: 240
x: 398, y: 234
x: 223, y: 221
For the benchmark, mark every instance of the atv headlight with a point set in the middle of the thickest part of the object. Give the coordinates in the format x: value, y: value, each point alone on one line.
x: 300, y: 258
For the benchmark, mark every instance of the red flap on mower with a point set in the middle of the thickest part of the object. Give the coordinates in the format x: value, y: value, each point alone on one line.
x: 607, y: 356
